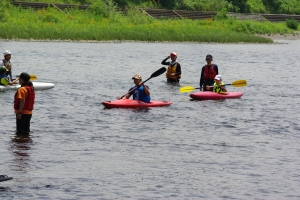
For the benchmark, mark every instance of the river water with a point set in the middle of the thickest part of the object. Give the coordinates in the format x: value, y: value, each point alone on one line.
x: 244, y: 148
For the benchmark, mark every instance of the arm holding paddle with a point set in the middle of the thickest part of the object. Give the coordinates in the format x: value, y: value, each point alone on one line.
x: 218, y: 85
x: 145, y: 88
x: 137, y: 80
x: 14, y: 81
x: 4, y: 78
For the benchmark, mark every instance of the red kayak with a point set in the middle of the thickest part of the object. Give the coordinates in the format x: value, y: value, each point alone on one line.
x: 129, y: 103
x: 208, y: 95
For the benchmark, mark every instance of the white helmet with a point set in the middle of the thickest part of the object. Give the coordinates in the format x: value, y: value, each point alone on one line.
x: 7, y: 52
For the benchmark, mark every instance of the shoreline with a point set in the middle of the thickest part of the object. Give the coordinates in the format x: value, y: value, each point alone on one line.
x: 277, y: 36
x: 274, y: 37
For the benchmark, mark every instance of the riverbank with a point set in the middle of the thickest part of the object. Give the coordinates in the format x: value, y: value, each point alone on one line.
x: 273, y: 37
x: 295, y: 36
x: 76, y: 25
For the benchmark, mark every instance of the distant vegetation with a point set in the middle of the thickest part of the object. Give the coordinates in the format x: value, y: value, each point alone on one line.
x: 244, y: 6
x: 103, y: 22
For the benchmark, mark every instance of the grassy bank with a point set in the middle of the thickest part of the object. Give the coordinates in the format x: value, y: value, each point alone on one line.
x: 133, y: 25
x: 244, y: 6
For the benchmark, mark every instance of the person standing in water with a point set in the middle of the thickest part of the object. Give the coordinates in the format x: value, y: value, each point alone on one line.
x: 24, y: 102
x: 173, y: 74
x: 208, y: 73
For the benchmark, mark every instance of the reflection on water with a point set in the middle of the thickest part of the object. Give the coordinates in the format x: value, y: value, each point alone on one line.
x: 21, y: 145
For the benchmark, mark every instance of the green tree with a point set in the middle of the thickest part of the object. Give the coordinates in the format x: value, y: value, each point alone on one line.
x: 273, y: 5
x: 4, y: 4
x: 241, y: 5
x: 169, y: 3
x: 105, y: 8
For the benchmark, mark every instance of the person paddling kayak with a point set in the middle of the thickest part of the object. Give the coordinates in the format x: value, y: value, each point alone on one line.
x: 208, y: 73
x: 139, y: 91
x: 218, y: 86
x: 7, y: 63
x: 4, y: 78
x: 173, y: 74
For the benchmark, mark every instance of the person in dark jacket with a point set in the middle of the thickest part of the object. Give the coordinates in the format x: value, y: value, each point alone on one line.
x: 173, y: 74
x: 208, y: 73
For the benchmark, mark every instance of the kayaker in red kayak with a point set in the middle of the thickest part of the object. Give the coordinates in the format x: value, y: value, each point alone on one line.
x: 218, y: 86
x: 173, y: 74
x: 139, y: 91
x: 208, y: 73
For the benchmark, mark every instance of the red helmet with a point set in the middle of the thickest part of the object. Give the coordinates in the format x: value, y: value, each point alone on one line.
x: 173, y: 54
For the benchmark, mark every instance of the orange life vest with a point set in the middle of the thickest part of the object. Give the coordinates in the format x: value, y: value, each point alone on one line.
x: 29, y: 101
x: 172, y: 69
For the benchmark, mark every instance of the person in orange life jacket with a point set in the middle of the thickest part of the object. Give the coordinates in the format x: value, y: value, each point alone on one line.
x: 24, y: 102
x: 7, y: 63
x: 208, y: 73
x: 174, y: 70
x: 4, y: 79
x: 139, y: 91
x: 218, y: 86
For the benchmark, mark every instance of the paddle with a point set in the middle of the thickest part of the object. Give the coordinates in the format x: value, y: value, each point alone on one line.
x: 155, y: 74
x: 32, y: 77
x: 237, y: 83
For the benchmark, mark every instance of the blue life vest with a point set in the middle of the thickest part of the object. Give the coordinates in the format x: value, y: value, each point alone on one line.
x: 139, y: 94
x: 4, y: 79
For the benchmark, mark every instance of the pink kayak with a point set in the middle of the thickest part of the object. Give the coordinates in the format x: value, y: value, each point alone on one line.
x: 129, y: 103
x: 207, y: 95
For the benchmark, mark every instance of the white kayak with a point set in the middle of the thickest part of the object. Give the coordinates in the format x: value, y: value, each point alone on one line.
x: 36, y: 85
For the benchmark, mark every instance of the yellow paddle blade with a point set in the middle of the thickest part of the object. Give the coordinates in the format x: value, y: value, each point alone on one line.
x: 187, y: 89
x: 239, y: 83
x: 33, y: 77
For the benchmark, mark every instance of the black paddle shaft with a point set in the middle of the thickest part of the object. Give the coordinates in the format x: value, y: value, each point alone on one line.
x: 155, y: 74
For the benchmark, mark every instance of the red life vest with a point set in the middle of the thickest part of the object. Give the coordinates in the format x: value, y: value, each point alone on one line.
x: 209, y: 72
x: 29, y: 101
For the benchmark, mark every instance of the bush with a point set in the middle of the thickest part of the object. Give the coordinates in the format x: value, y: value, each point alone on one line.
x: 222, y: 14
x: 292, y: 23
x: 135, y: 16
x: 4, y: 4
x: 105, y: 8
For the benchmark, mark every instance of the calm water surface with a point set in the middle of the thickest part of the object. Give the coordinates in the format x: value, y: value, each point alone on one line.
x: 244, y: 148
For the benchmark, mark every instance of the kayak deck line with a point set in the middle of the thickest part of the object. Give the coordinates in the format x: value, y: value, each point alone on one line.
x: 208, y: 95
x: 129, y: 103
